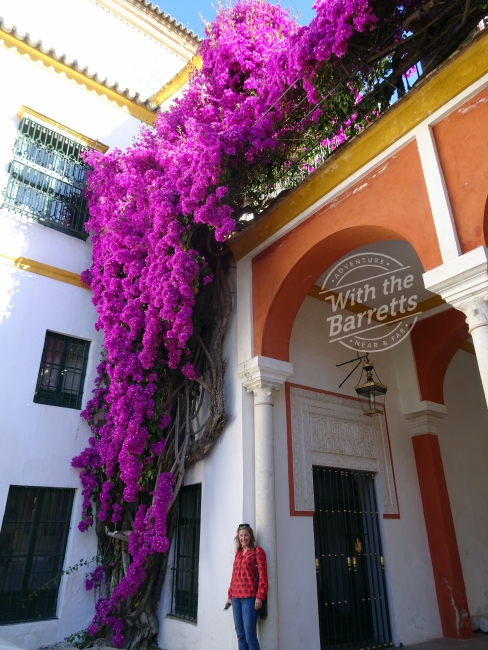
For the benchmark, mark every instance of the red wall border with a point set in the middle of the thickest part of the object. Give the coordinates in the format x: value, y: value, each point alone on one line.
x: 441, y: 534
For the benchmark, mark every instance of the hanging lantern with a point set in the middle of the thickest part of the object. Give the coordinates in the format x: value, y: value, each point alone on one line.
x: 371, y: 393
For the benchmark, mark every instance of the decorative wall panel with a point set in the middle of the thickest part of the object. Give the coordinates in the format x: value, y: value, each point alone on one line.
x: 331, y: 431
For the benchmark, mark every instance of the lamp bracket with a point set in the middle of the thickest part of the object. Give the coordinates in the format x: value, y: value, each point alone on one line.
x: 358, y: 359
x: 365, y: 356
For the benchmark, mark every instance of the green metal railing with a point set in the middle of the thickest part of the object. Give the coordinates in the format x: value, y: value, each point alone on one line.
x: 47, y: 178
x: 185, y: 571
x: 32, y: 546
x: 62, y: 372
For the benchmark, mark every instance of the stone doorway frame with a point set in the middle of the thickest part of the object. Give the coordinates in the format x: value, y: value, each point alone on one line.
x: 330, y: 430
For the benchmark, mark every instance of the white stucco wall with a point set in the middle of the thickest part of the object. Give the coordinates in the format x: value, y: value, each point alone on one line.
x: 37, y: 442
x: 410, y: 582
x: 61, y: 100
x: 464, y: 447
x: 224, y: 506
x: 463, y: 439
x: 91, y: 34
x: 413, y: 602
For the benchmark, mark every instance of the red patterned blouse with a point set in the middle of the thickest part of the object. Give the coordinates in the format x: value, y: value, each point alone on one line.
x: 243, y: 583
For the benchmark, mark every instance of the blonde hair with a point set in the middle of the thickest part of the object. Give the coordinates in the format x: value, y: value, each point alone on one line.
x: 252, y: 541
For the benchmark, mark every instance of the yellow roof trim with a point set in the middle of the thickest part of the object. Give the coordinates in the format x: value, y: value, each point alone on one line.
x: 93, y: 144
x: 131, y: 106
x: 454, y: 77
x: 177, y: 82
x: 46, y: 270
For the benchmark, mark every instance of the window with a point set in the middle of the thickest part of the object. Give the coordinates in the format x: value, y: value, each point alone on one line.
x: 32, y: 546
x: 187, y: 551
x: 62, y: 372
x: 47, y: 178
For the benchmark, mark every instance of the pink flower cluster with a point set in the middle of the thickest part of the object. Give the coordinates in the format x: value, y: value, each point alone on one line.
x: 327, y: 36
x: 89, y: 462
x: 148, y: 536
x: 145, y: 205
x: 95, y: 578
x: 144, y: 201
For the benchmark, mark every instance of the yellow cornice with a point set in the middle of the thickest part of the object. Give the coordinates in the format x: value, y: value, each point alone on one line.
x: 39, y: 268
x: 454, y: 77
x: 93, y: 144
x: 139, y: 111
x: 177, y: 82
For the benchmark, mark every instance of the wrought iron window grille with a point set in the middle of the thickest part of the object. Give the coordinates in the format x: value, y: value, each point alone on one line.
x: 32, y: 548
x: 62, y: 372
x: 47, y: 177
x: 187, y: 551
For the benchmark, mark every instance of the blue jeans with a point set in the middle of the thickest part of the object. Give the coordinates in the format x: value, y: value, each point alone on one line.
x: 245, y: 619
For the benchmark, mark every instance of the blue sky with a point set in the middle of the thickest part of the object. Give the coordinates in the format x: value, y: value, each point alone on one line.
x: 188, y: 12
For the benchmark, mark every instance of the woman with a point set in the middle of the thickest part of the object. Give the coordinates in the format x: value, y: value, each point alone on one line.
x: 248, y: 587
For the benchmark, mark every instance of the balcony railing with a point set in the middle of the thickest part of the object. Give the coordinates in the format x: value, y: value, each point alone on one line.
x: 46, y: 179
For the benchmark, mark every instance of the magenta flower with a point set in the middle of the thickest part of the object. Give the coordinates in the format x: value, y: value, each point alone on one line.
x: 145, y: 205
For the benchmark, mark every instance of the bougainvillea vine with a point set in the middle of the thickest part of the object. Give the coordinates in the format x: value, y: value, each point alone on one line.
x: 156, y: 211
x: 144, y: 204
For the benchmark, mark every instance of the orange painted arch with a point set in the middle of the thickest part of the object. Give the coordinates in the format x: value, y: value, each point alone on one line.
x: 389, y: 203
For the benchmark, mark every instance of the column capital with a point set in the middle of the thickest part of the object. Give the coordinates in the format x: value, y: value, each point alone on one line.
x: 463, y: 283
x: 263, y: 375
x: 426, y: 419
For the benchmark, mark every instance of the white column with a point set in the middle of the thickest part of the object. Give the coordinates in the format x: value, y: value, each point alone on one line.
x: 426, y: 419
x: 262, y: 376
x: 438, y: 195
x: 463, y: 283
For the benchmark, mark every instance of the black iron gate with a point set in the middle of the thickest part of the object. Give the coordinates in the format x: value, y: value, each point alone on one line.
x: 351, y: 589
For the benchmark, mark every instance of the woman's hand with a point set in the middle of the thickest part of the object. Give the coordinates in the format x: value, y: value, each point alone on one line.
x: 228, y: 603
x: 258, y: 604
